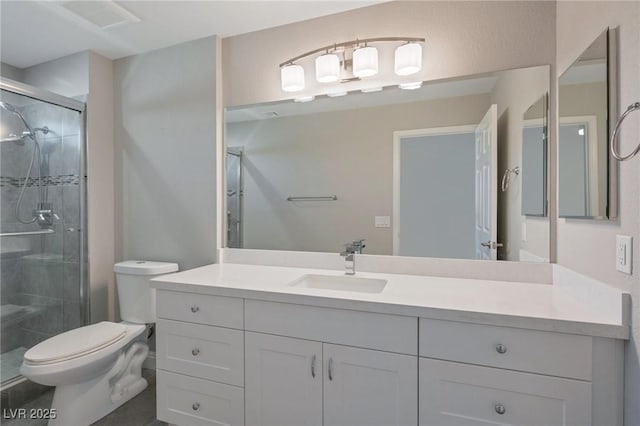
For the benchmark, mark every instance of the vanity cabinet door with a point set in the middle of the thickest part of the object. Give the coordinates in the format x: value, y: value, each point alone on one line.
x: 283, y: 385
x: 455, y: 394
x: 364, y: 387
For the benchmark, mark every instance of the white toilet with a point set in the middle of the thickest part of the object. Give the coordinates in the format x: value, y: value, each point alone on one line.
x: 97, y: 368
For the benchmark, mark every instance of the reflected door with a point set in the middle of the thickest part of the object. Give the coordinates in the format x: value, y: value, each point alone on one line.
x: 433, y: 213
x: 486, y: 220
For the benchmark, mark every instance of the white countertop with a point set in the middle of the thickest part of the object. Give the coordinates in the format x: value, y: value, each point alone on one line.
x: 513, y: 304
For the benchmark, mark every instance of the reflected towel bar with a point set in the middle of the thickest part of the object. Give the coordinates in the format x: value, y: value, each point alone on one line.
x: 18, y: 234
x: 325, y: 198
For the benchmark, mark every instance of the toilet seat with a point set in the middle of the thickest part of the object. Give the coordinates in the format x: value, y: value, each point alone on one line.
x: 76, y: 343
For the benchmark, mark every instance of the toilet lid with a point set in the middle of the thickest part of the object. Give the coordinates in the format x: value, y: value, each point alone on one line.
x: 75, y: 343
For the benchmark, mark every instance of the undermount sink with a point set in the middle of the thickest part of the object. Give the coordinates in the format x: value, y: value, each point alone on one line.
x: 340, y: 283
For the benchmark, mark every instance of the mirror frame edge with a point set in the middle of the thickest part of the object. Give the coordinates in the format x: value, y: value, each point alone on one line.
x: 613, y: 175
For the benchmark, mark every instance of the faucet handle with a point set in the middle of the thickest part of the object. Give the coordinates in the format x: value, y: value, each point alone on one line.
x: 357, y: 245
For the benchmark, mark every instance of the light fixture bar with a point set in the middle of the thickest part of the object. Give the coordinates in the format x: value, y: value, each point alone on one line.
x: 351, y: 43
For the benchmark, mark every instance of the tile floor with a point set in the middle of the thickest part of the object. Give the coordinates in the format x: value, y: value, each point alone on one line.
x: 140, y: 411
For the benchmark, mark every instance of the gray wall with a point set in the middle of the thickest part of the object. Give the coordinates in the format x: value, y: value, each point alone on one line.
x: 588, y: 246
x: 515, y: 92
x: 347, y: 153
x: 463, y: 37
x: 10, y: 72
x: 165, y: 154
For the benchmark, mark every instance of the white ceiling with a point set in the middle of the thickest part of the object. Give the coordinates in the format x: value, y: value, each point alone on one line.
x: 32, y: 32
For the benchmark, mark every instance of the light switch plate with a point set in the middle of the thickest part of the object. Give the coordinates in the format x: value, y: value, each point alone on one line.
x: 624, y: 257
x: 383, y: 221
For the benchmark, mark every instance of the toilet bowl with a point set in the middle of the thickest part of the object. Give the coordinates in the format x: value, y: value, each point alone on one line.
x: 97, y: 368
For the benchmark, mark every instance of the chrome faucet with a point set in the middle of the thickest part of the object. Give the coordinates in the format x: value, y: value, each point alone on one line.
x: 349, y: 254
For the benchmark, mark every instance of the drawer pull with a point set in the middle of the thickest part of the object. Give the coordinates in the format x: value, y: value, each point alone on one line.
x: 501, y: 349
x: 195, y: 309
x: 313, y: 367
x: 500, y: 409
x: 330, y: 369
x: 195, y: 406
x: 195, y: 351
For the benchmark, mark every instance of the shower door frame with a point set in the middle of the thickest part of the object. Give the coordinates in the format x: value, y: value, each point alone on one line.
x: 79, y: 106
x: 237, y: 152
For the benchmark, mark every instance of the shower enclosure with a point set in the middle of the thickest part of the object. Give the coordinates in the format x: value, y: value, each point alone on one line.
x: 42, y: 238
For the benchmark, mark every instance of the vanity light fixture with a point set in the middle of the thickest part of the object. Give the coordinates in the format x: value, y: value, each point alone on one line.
x: 365, y: 61
x: 410, y: 86
x: 408, y: 59
x: 372, y: 89
x: 328, y: 68
x: 292, y: 78
x: 336, y: 94
x: 303, y: 99
x: 351, y: 60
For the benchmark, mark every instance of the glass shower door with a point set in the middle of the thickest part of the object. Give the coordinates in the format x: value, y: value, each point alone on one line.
x: 41, y: 223
x: 234, y: 197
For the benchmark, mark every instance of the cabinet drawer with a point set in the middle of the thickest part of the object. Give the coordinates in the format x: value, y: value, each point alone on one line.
x: 200, y: 308
x: 187, y: 401
x: 392, y: 333
x: 555, y: 354
x: 453, y: 394
x: 204, y: 351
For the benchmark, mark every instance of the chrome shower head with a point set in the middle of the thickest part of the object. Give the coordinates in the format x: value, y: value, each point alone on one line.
x: 15, y: 137
x: 8, y: 107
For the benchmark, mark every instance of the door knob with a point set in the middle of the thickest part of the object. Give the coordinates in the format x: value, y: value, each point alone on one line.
x: 491, y: 244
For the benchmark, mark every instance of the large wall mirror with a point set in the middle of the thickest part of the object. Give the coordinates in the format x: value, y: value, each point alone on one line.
x: 587, y: 179
x: 455, y: 168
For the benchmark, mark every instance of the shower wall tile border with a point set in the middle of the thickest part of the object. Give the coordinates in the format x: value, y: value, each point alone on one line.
x: 60, y: 180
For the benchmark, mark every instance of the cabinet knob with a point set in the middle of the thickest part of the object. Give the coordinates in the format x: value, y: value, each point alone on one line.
x: 195, y: 406
x: 500, y: 409
x: 195, y: 351
x: 501, y: 349
x: 195, y: 309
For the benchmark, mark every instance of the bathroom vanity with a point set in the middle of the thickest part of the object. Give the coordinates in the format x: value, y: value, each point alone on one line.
x: 265, y: 345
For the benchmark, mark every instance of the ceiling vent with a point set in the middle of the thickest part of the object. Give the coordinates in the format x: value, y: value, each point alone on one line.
x: 103, y: 14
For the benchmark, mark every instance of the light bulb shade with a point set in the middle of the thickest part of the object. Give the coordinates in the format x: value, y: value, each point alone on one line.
x: 292, y: 78
x: 365, y: 62
x: 408, y: 59
x: 327, y: 68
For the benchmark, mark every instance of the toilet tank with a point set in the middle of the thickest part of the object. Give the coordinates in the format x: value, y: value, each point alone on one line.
x: 136, y: 297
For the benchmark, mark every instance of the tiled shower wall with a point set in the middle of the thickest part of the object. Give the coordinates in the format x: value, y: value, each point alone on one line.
x: 40, y: 275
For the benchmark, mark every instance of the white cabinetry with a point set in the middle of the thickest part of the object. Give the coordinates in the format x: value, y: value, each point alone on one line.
x: 284, y: 381
x: 316, y: 376
x: 232, y: 361
x: 200, y: 359
x: 298, y: 382
x: 369, y: 388
x: 455, y: 394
